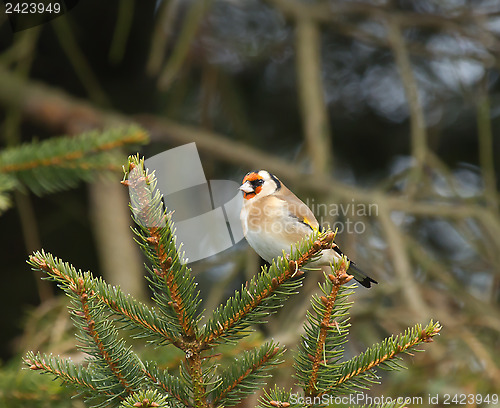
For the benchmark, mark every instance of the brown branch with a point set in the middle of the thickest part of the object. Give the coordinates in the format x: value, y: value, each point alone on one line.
x: 417, y: 121
x: 401, y: 262
x: 311, y: 93
x: 338, y: 280
x: 63, y: 113
x: 468, y: 22
x: 345, y: 19
x: 165, y: 273
x: 193, y: 358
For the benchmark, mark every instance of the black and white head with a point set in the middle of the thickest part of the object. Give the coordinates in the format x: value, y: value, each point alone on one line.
x: 258, y: 184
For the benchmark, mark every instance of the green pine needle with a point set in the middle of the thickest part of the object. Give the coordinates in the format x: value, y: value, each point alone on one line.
x: 107, y: 353
x: 90, y: 384
x: 279, y: 398
x: 175, y: 387
x: 171, y: 281
x: 246, y: 374
x: 358, y: 372
x: 146, y: 399
x: 317, y: 362
x: 60, y: 163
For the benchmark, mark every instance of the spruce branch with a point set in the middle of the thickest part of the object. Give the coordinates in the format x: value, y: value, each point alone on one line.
x: 325, y: 333
x: 171, y: 280
x: 175, y: 387
x: 109, y: 356
x: 358, y: 372
x: 195, y: 371
x: 90, y: 383
x: 281, y: 398
x: 134, y: 314
x: 59, y: 163
x: 246, y: 374
x: 65, y: 370
x: 265, y: 293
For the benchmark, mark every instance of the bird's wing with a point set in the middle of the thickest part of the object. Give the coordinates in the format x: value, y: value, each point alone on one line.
x: 298, y: 209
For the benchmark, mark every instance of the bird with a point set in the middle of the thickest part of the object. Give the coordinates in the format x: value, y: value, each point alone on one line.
x: 273, y: 219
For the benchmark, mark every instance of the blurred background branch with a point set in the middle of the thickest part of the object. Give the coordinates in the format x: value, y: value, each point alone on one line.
x: 312, y: 98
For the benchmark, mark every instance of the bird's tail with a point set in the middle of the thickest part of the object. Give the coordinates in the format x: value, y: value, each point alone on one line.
x: 360, y: 276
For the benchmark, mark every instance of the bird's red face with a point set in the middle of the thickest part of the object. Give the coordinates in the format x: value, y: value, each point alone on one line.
x: 251, y: 185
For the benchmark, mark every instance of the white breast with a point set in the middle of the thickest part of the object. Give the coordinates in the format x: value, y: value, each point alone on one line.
x: 268, y: 232
x: 266, y: 246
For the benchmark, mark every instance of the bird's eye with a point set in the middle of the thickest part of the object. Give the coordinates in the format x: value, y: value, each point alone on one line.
x: 258, y: 182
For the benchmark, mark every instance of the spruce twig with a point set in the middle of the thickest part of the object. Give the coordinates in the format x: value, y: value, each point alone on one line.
x: 359, y: 369
x: 61, y: 162
x: 245, y: 375
x: 173, y: 285
x: 326, y: 324
x: 173, y: 386
x: 64, y: 369
x: 116, y: 370
x: 135, y: 314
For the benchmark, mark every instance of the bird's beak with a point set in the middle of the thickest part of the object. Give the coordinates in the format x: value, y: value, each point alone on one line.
x: 246, y: 187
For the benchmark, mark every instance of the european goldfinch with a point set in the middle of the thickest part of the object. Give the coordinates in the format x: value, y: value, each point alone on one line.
x: 274, y: 219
